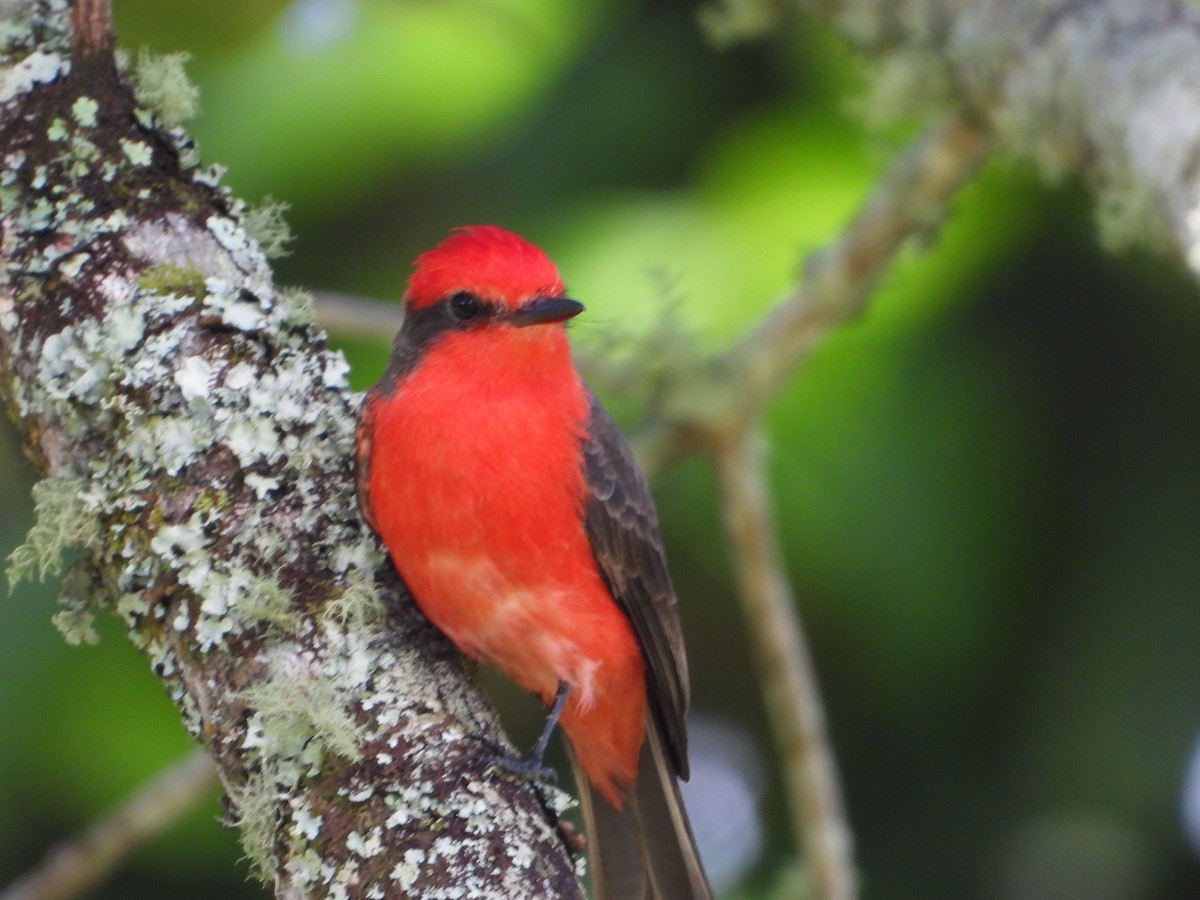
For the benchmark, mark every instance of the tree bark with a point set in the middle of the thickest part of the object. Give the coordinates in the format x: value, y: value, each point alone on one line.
x: 197, y: 434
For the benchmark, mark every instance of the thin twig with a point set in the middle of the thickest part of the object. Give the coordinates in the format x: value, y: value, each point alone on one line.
x: 785, y: 669
x: 92, y: 30
x: 912, y: 198
x: 76, y: 865
x: 360, y: 317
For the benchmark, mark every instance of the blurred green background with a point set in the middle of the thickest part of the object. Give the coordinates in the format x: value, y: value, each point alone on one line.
x: 988, y: 486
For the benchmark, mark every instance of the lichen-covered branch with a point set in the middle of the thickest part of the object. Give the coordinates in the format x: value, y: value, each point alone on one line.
x: 714, y: 398
x: 912, y: 198
x: 75, y: 866
x: 191, y: 414
x: 1107, y: 89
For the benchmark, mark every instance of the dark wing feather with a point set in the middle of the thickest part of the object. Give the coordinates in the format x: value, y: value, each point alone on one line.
x: 622, y: 526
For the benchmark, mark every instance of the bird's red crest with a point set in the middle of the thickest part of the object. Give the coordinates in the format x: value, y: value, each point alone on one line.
x: 487, y: 261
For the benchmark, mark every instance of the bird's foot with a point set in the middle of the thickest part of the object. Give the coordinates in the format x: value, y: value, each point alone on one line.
x: 497, y: 756
x: 529, y: 768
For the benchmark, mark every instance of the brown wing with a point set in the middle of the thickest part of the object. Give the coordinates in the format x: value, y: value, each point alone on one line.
x: 622, y: 526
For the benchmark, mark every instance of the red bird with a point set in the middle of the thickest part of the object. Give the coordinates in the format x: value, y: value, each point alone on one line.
x: 514, y: 511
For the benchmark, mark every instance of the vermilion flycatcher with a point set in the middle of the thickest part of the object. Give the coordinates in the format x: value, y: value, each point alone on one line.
x: 514, y: 511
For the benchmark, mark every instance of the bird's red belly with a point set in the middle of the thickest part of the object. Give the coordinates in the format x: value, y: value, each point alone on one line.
x: 492, y: 545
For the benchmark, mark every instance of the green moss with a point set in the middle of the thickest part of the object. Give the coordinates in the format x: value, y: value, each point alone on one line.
x: 168, y: 278
x: 211, y: 501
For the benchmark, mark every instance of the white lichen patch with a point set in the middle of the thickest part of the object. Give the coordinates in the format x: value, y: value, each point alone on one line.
x: 137, y: 152
x: 337, y: 372
x: 179, y: 543
x: 37, y: 68
x: 8, y: 311
x: 368, y: 846
x: 74, y: 365
x: 71, y: 265
x: 172, y: 441
x: 262, y: 485
x: 194, y: 378
x: 244, y: 252
x: 84, y: 110
x: 307, y: 869
x: 522, y: 856
x: 306, y: 823
x: 240, y: 376
x: 407, y: 872
x: 253, y: 439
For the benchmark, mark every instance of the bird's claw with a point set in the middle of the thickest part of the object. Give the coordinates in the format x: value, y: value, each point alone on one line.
x: 529, y: 768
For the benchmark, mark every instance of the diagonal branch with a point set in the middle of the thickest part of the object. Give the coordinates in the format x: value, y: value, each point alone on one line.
x: 76, y: 866
x: 92, y: 29
x: 912, y: 198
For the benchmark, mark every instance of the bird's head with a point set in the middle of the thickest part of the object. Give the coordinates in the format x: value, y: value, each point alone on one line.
x: 483, y: 274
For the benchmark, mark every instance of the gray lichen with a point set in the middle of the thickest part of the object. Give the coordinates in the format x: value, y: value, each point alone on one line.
x: 160, y: 84
x: 63, y: 519
x: 267, y: 224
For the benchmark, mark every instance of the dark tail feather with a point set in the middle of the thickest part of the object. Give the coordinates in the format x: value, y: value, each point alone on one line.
x: 645, y: 851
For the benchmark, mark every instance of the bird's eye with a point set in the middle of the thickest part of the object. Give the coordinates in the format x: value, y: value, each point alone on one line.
x: 464, y: 306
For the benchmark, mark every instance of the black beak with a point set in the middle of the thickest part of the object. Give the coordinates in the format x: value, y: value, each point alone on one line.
x: 544, y: 310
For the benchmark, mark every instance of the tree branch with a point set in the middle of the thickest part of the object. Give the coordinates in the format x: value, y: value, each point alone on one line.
x: 358, y: 317
x: 785, y: 669
x: 1108, y: 89
x: 76, y: 866
x: 92, y: 30
x: 198, y: 435
x: 725, y: 395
